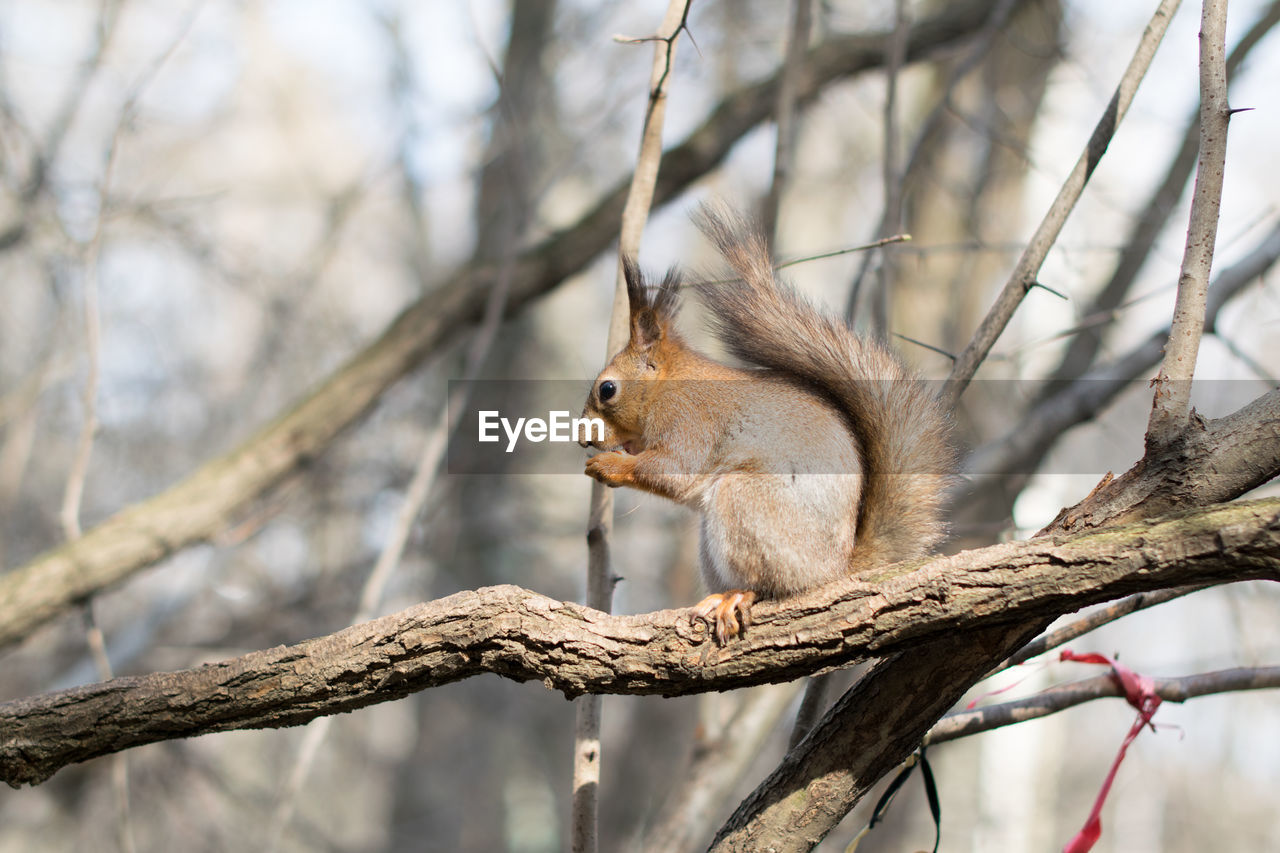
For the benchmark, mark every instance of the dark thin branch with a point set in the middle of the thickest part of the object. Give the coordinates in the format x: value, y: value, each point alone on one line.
x: 1051, y: 701
x: 785, y: 114
x: 1020, y: 452
x: 978, y: 50
x: 1024, y: 273
x: 1137, y: 245
x: 1095, y: 620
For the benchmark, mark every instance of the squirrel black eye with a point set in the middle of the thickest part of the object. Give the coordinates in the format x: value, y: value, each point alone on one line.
x: 608, y: 389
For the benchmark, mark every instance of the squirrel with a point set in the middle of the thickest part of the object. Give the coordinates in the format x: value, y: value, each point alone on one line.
x: 825, y: 459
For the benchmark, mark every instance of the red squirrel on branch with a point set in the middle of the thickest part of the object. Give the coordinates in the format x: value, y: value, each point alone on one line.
x: 827, y: 458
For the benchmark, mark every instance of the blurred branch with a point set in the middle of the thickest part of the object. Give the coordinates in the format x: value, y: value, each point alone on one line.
x: 502, y: 211
x: 892, y: 177
x: 74, y: 491
x: 1020, y: 452
x: 73, y: 99
x: 785, y: 115
x: 1054, y: 699
x: 1141, y: 239
x: 1171, y: 403
x: 200, y: 505
x: 1024, y: 273
x: 97, y: 642
x: 522, y: 635
x: 978, y: 49
x: 812, y: 706
x: 692, y: 804
x: 18, y: 417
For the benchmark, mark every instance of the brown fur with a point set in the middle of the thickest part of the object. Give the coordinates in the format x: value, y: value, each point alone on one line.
x: 830, y: 460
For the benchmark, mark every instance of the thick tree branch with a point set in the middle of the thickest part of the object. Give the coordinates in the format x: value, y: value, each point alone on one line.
x: 197, y: 507
x: 522, y: 635
x: 883, y: 717
x: 1245, y: 451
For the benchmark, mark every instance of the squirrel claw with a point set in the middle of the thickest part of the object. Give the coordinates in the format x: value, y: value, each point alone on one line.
x: 611, y: 468
x: 732, y: 613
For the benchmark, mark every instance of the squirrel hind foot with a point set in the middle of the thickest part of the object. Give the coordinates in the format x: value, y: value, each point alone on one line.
x: 727, y: 614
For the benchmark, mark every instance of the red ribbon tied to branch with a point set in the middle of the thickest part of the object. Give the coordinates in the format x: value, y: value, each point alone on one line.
x: 1140, y: 692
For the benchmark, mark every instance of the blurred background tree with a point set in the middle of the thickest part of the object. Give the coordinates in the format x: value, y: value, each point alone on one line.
x: 207, y: 208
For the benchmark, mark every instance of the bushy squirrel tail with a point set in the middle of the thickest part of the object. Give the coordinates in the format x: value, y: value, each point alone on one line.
x: 902, y: 429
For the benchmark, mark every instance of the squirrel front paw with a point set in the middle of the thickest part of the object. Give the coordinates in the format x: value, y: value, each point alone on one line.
x: 613, y: 468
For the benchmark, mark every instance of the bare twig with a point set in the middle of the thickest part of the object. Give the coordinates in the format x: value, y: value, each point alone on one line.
x: 892, y: 179
x: 1171, y: 402
x: 1138, y: 243
x: 874, y: 244
x: 1024, y: 273
x: 104, y: 31
x: 586, y: 749
x: 1095, y: 620
x: 74, y: 491
x: 964, y: 723
x: 893, y: 191
x: 1019, y: 452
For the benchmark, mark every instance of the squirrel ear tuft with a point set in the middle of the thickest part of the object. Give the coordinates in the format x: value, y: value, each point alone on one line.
x: 637, y: 290
x: 650, y: 311
x: 667, y: 299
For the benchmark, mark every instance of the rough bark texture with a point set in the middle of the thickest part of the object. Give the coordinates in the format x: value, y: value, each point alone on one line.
x: 867, y: 733
x: 828, y: 773
x: 993, y: 595
x: 1244, y: 449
